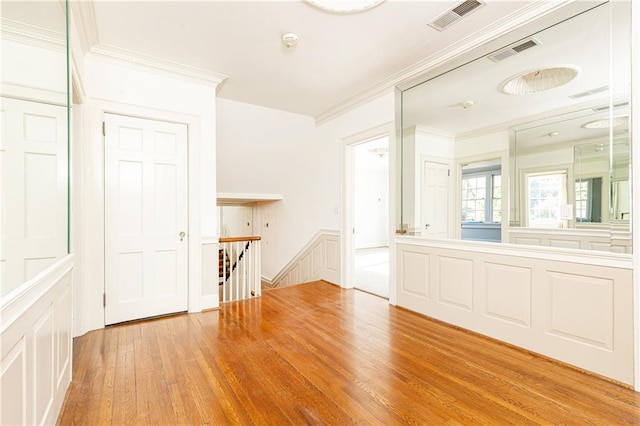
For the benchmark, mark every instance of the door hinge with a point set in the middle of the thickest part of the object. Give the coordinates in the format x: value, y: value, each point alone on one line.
x: 104, y: 129
x: 448, y: 172
x: 104, y: 300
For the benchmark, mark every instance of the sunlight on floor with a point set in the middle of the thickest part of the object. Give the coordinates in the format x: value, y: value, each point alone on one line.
x: 371, y: 272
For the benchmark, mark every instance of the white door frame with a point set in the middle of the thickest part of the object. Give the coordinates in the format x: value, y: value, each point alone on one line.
x: 346, y: 229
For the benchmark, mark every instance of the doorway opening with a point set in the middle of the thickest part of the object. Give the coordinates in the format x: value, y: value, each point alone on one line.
x: 370, y: 255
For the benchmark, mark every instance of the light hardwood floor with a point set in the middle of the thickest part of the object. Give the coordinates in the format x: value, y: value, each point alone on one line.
x: 316, y: 354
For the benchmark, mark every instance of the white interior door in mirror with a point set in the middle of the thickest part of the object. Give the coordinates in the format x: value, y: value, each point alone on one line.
x: 146, y: 244
x: 33, y: 147
x: 435, y: 200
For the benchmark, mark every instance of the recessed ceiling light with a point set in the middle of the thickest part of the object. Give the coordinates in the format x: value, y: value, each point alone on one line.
x: 344, y: 6
x: 604, y: 123
x: 540, y: 80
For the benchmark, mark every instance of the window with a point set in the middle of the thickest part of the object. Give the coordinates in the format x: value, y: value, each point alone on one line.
x: 546, y: 195
x: 582, y: 201
x: 482, y: 195
x: 589, y: 199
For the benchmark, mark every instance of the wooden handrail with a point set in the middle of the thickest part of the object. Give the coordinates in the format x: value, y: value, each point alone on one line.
x: 238, y: 239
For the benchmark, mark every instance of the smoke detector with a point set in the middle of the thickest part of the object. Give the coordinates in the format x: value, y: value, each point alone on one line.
x: 289, y: 40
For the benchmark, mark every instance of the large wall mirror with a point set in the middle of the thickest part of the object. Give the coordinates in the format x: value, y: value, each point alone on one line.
x: 33, y: 140
x: 526, y: 139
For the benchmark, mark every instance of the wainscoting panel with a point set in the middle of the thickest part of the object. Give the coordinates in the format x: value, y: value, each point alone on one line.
x: 13, y: 385
x: 508, y: 293
x: 590, y: 321
x: 319, y: 259
x: 573, y: 307
x: 455, y: 282
x: 42, y: 369
x: 413, y: 267
x: 613, y: 240
x: 35, y: 363
x: 332, y: 248
x: 570, y: 244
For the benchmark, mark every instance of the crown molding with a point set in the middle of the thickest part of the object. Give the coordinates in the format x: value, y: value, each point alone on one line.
x: 430, y: 131
x: 151, y: 63
x: 84, y: 18
x: 31, y: 35
x: 501, y: 27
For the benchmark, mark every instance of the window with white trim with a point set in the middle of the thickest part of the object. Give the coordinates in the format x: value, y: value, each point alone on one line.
x: 482, y: 195
x: 546, y: 194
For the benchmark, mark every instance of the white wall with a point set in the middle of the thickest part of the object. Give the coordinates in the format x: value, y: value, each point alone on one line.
x: 263, y: 150
x: 128, y: 89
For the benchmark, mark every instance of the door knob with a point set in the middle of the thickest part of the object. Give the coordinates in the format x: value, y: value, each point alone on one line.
x: 181, y: 235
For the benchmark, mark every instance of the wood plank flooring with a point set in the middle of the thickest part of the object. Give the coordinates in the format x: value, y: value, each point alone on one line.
x: 317, y: 354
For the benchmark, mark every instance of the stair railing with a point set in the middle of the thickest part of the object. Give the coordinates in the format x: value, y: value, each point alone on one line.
x: 239, y: 273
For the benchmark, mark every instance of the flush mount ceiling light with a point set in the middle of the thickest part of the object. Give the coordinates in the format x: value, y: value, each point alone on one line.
x: 605, y: 123
x: 344, y: 7
x: 540, y: 80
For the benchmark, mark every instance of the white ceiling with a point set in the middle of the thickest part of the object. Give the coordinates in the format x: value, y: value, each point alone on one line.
x: 339, y: 57
x: 584, y: 41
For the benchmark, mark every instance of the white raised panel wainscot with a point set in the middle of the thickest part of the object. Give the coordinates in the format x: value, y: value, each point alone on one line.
x: 576, y: 307
x: 35, y: 346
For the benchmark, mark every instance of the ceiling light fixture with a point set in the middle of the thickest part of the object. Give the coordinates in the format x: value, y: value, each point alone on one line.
x: 540, y: 80
x: 344, y: 7
x: 289, y: 40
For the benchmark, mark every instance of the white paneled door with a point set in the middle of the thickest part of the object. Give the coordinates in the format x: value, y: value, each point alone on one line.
x: 146, y: 247
x: 435, y: 199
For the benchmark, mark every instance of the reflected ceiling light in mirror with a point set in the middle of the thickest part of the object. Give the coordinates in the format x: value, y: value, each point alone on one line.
x: 540, y: 80
x: 344, y: 7
x: 622, y: 121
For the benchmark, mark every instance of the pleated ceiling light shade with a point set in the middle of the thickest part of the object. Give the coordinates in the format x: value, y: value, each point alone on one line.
x: 344, y: 6
x: 540, y: 80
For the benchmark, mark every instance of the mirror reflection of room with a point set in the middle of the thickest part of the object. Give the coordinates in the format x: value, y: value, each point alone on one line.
x: 534, y: 134
x: 34, y: 160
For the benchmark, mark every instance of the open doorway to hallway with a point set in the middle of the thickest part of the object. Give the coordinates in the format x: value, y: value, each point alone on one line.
x: 371, y: 217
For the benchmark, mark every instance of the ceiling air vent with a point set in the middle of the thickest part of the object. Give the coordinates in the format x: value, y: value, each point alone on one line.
x: 453, y: 15
x: 589, y: 92
x: 513, y: 50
